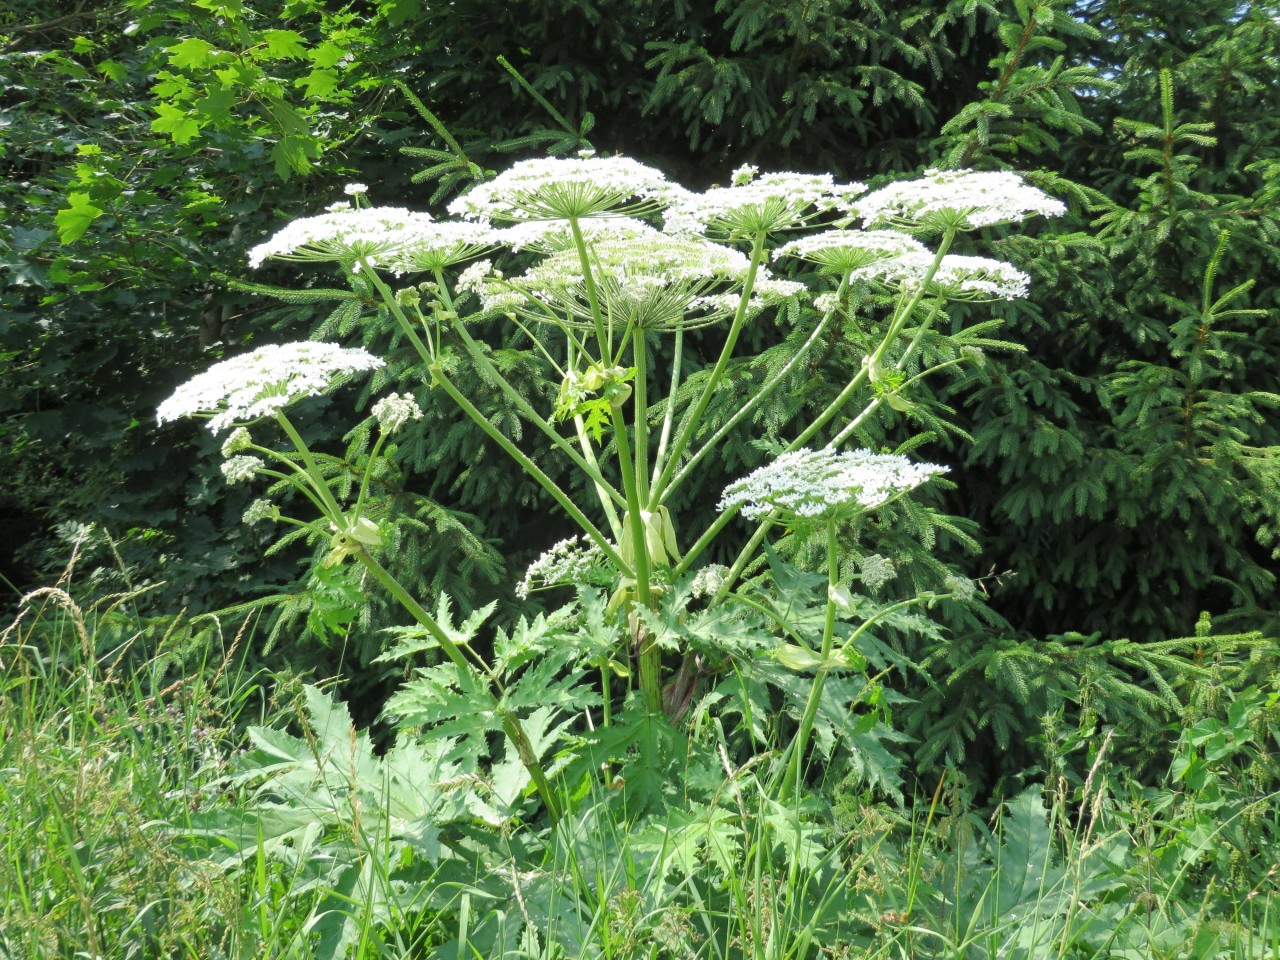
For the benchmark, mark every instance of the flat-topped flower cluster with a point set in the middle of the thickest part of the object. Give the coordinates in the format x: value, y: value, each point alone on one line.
x: 551, y: 206
x: 263, y: 382
x: 809, y: 484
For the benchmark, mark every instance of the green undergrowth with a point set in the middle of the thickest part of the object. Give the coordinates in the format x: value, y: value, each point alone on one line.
x: 177, y: 806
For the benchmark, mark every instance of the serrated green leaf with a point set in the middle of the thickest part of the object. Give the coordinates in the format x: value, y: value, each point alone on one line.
x: 175, y: 122
x: 283, y: 45
x: 75, y: 219
x: 192, y: 54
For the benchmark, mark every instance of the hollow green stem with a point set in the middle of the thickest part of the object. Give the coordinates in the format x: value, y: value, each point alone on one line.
x: 510, y: 722
x: 307, y: 483
x: 531, y: 468
x: 312, y: 470
x: 690, y: 421
x: 669, y: 414
x: 589, y: 467
x: 589, y: 280
x: 368, y: 472
x: 389, y: 298
x: 650, y: 666
x: 640, y: 398
x: 794, y: 768
x: 491, y: 372
x: 906, y: 307
x: 756, y: 398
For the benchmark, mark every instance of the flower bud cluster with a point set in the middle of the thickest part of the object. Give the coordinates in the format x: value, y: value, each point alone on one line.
x: 575, y: 560
x: 394, y: 411
x: 260, y: 510
x: 240, y: 469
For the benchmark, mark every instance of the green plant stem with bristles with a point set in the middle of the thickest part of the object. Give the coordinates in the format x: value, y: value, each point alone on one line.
x: 793, y: 759
x: 510, y: 722
x: 317, y: 483
x: 439, y: 376
x: 599, y: 539
x: 648, y: 654
x: 685, y: 436
x: 757, y: 397
x: 492, y: 374
x: 603, y: 343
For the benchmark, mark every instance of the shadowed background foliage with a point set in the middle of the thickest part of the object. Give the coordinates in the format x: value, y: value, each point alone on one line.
x: 1120, y: 475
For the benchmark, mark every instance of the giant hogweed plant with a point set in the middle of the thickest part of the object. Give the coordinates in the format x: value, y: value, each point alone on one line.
x: 592, y: 697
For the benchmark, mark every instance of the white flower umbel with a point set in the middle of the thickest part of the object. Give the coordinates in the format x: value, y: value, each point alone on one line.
x: 345, y: 236
x: 575, y: 560
x: 808, y: 484
x: 260, y: 383
x: 847, y: 250
x: 957, y: 199
x: 239, y: 469
x: 643, y: 276
x: 355, y: 189
x: 708, y: 581
x: 957, y: 277
x: 772, y: 202
x: 434, y: 246
x: 238, y: 440
x: 394, y: 411
x: 560, y: 189
x: 259, y: 511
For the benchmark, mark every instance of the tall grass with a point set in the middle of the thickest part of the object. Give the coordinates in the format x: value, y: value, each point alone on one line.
x: 114, y: 764
x: 102, y: 752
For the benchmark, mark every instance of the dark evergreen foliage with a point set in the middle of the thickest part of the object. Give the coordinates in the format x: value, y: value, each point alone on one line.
x: 1119, y: 475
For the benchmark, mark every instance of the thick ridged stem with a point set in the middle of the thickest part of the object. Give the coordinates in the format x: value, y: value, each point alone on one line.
x: 510, y: 722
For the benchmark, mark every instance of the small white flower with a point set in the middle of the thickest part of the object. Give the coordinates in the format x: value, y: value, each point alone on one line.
x: 355, y: 189
x: 558, y: 189
x: 259, y: 511
x: 876, y: 571
x: 807, y: 484
x: 575, y: 560
x: 236, y: 441
x: 263, y: 382
x: 394, y: 411
x: 239, y: 469
x: 772, y: 202
x: 956, y: 198
x: 708, y: 581
x: 344, y: 235
x: 744, y: 174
